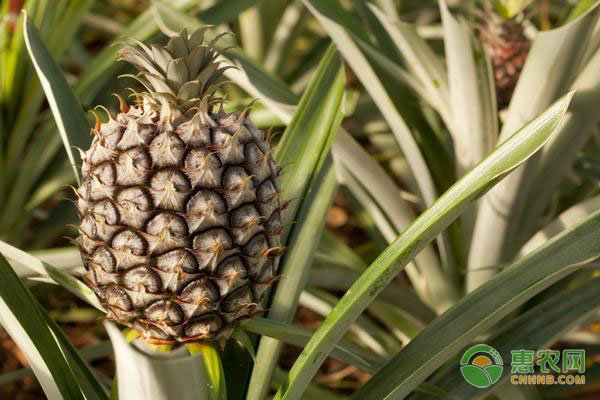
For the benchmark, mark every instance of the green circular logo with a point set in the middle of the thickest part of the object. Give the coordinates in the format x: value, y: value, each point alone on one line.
x: 481, y: 366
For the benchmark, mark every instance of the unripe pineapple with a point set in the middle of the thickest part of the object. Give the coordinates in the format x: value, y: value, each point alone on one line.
x: 503, y: 35
x: 179, y: 204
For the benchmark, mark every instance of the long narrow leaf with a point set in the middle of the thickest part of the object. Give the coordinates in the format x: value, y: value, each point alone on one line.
x: 562, y: 151
x: 482, y: 308
x: 307, y: 137
x: 449, y: 206
x: 23, y: 320
x: 309, y: 134
x: 359, y: 63
x: 425, y: 65
x: 68, y: 114
x: 472, y: 95
x: 333, y: 20
x: 535, y: 329
x: 344, y: 351
x: 44, y: 269
x: 565, y: 220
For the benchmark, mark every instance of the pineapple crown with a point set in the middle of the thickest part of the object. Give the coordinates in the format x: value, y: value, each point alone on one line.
x: 181, y: 73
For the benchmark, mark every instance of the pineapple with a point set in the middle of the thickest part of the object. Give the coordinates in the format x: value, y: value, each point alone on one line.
x: 180, y: 202
x: 502, y: 33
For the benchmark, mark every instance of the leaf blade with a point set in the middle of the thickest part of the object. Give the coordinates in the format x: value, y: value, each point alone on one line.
x: 23, y: 319
x: 448, y: 207
x: 68, y: 114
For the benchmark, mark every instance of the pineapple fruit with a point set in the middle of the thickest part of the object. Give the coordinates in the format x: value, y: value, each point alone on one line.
x: 180, y: 202
x: 502, y: 33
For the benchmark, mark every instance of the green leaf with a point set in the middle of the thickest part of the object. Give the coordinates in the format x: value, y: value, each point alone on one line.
x: 44, y: 269
x: 23, y: 319
x: 226, y: 11
x: 404, y: 299
x: 290, y: 27
x: 344, y: 351
x: 484, y: 307
x: 242, y: 338
x: 68, y: 114
x: 364, y: 331
x: 308, y: 136
x: 535, y: 329
x: 324, y: 11
x: 332, y: 250
x: 88, y: 382
x: 347, y: 37
x: 565, y: 220
x: 580, y: 9
x: 313, y: 392
x: 472, y: 93
x: 62, y: 258
x: 77, y: 358
x: 446, y: 209
x: 305, y: 147
x: 423, y: 63
x: 214, y: 369
x: 57, y: 39
x: 560, y: 154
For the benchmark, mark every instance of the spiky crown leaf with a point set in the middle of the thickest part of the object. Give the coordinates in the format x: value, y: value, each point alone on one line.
x: 181, y: 73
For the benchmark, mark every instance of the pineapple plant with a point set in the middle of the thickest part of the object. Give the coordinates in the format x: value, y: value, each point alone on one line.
x: 167, y: 235
x: 180, y: 201
x: 502, y: 33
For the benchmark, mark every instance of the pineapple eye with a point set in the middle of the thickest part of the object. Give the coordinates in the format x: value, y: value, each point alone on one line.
x: 169, y: 189
x: 237, y: 301
x: 203, y: 326
x: 129, y: 241
x: 116, y: 296
x: 107, y: 210
x: 200, y: 292
x: 244, y: 216
x: 169, y: 223
x: 166, y: 149
x: 165, y: 311
x: 213, y: 241
x: 203, y: 168
x: 236, y: 179
x: 206, y: 202
x: 149, y: 330
x: 136, y: 197
x: 105, y: 259
x: 194, y: 132
x: 142, y: 276
x: 178, y: 258
x: 257, y: 246
x: 231, y: 274
x: 133, y: 166
x: 177, y: 178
